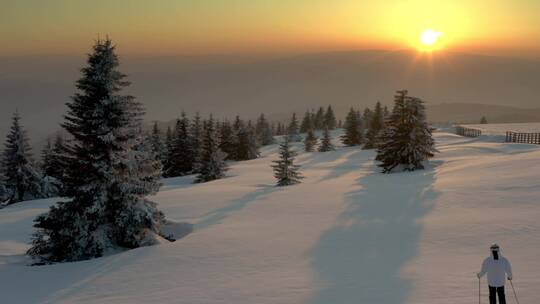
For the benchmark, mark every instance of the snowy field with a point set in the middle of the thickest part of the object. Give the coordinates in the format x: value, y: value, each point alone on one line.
x: 500, y: 129
x: 347, y: 234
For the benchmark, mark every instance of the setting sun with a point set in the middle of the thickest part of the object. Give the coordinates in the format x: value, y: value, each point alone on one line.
x: 430, y: 37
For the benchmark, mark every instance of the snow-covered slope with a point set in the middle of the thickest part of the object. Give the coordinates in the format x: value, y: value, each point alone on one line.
x: 347, y: 234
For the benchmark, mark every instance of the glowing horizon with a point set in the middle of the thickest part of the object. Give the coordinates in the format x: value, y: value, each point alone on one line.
x: 240, y: 26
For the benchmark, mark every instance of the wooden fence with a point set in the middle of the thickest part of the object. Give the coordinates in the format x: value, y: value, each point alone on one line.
x: 524, y: 138
x: 468, y: 132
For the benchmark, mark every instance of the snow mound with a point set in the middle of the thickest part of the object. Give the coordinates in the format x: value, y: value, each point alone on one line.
x: 173, y: 231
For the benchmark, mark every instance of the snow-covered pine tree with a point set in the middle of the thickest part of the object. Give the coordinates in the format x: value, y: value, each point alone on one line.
x: 22, y: 179
x: 212, y: 162
x: 181, y: 157
x: 3, y: 191
x: 169, y: 140
x: 307, y: 123
x: 293, y: 129
x: 310, y: 141
x: 55, y: 166
x: 46, y: 155
x: 280, y: 129
x: 108, y: 209
x: 196, y: 135
x: 367, y: 116
x: 246, y: 146
x: 353, y: 129
x: 375, y: 127
x: 330, y: 118
x: 158, y: 145
x: 326, y: 142
x: 285, y: 171
x: 50, y: 186
x: 407, y: 140
x: 263, y: 130
x: 318, y: 119
x: 227, y: 139
x: 386, y: 113
x: 238, y: 127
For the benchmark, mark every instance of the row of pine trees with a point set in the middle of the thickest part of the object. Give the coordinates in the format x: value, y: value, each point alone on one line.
x: 191, y: 146
x: 402, y: 138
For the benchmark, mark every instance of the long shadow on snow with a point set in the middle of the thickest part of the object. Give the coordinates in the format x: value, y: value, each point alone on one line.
x: 360, y: 259
x: 352, y: 163
x: 218, y: 215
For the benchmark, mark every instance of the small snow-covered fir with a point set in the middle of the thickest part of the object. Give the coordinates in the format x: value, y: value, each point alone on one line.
x: 326, y: 142
x: 353, y: 129
x: 285, y: 170
x: 310, y: 141
x: 20, y: 176
x: 212, y: 164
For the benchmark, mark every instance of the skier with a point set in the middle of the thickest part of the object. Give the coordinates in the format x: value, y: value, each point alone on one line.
x: 496, y: 266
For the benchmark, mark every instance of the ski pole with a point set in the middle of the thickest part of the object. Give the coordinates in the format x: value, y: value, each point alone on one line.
x: 479, y: 302
x: 514, y: 290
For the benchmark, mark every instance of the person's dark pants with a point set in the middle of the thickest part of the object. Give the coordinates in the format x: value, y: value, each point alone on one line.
x: 493, y: 292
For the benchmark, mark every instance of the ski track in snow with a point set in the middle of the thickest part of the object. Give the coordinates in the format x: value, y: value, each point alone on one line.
x: 347, y: 234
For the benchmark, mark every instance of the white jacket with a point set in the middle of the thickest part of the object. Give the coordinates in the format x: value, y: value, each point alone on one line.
x: 497, y: 270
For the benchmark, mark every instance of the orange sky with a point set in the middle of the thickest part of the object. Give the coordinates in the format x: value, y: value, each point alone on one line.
x: 264, y: 26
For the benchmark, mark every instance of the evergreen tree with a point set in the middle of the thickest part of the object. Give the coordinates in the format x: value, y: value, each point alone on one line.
x: 376, y: 127
x: 196, y: 135
x: 318, y: 119
x: 285, y: 171
x: 169, y: 142
x: 3, y: 191
x: 50, y: 186
x: 227, y: 140
x: 407, y: 137
x: 367, y: 116
x: 274, y: 128
x: 292, y: 129
x: 263, y: 130
x: 158, y: 146
x: 22, y: 180
x: 326, y: 142
x: 307, y: 123
x: 46, y: 155
x: 54, y: 169
x: 281, y: 128
x: 278, y: 129
x: 212, y: 162
x: 181, y: 157
x: 330, y: 119
x: 310, y: 141
x: 353, y: 129
x: 483, y: 120
x: 109, y: 175
x: 386, y: 113
x: 340, y: 124
x: 246, y: 146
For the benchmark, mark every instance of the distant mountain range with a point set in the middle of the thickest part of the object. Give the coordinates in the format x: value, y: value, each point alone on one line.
x: 457, y: 87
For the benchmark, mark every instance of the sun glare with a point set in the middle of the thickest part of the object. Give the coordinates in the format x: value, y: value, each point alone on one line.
x: 429, y: 38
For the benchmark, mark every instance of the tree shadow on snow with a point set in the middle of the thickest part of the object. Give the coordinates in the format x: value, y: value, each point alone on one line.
x: 360, y: 259
x: 216, y: 216
x: 352, y: 163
